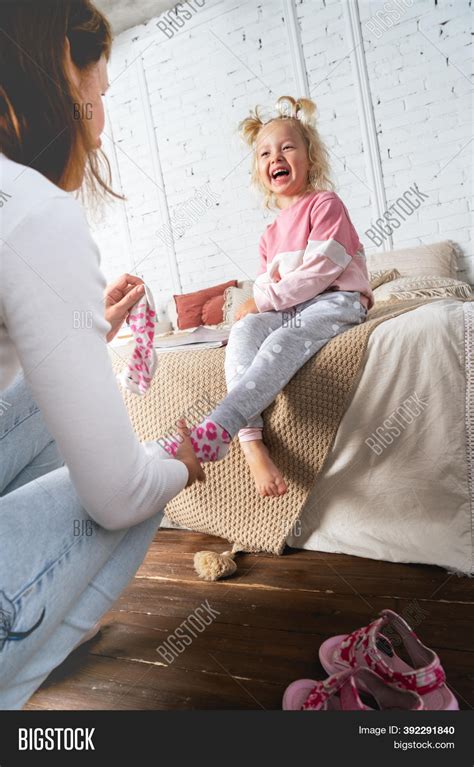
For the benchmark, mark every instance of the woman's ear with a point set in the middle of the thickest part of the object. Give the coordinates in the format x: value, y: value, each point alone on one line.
x: 71, y: 69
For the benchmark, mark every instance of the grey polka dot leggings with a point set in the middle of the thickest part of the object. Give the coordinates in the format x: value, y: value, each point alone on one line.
x: 266, y: 350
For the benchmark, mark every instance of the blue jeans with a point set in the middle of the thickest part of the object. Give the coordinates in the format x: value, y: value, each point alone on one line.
x: 60, y: 572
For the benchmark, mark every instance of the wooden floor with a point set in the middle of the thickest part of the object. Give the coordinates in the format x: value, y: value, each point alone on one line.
x: 267, y: 624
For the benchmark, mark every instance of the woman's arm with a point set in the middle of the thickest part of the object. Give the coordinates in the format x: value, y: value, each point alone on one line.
x: 53, y: 298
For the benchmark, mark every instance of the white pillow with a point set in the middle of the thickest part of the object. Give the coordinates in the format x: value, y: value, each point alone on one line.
x: 245, y: 284
x: 427, y: 286
x: 233, y: 298
x: 438, y: 259
x: 382, y: 276
x: 172, y: 313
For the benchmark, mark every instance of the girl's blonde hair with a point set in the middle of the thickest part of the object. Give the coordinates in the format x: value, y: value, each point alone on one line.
x: 301, y: 114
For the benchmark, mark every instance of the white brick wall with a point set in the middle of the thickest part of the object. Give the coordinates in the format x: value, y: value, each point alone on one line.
x: 233, y: 55
x: 332, y: 87
x: 419, y: 80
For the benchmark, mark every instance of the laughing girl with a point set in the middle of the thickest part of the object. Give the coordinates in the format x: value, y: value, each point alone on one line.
x: 312, y: 284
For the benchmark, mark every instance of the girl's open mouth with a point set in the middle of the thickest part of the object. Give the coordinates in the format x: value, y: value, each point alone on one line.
x: 279, y: 175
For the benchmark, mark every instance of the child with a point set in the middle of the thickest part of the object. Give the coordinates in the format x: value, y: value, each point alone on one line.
x: 313, y: 284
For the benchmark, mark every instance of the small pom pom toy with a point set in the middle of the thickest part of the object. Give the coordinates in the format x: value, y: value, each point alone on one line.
x: 212, y: 566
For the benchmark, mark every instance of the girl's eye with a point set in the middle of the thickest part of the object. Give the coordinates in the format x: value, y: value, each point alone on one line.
x: 264, y: 154
x: 288, y: 146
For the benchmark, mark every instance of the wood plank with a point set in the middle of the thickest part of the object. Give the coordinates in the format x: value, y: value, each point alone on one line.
x: 271, y: 619
x: 83, y: 682
x: 309, y: 569
x: 444, y: 625
x: 257, y: 653
x: 260, y: 654
x: 321, y: 575
x: 104, y: 683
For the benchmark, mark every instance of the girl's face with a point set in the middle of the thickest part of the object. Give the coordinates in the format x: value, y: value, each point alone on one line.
x: 282, y: 159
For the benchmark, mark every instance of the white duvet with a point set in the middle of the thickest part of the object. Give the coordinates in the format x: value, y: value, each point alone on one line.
x: 396, y: 484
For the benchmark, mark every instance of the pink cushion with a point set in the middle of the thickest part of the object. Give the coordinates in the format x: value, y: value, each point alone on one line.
x: 213, y: 311
x: 189, y: 306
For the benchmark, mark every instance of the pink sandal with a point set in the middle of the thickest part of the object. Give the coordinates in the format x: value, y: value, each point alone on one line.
x: 340, y: 692
x: 368, y: 648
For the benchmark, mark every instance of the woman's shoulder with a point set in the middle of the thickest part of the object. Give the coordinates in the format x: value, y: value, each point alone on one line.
x: 43, y: 223
x: 21, y: 176
x: 27, y: 193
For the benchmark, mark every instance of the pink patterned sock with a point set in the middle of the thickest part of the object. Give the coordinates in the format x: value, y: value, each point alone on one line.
x: 210, y: 441
x: 141, y: 367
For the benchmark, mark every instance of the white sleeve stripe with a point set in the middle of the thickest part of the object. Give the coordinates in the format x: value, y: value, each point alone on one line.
x: 329, y: 248
x: 289, y: 254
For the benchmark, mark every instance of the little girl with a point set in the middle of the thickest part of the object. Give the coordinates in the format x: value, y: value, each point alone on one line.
x: 312, y: 284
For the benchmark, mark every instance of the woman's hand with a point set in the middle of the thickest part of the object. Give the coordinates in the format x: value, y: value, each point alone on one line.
x: 186, y: 454
x: 119, y: 297
x: 248, y: 307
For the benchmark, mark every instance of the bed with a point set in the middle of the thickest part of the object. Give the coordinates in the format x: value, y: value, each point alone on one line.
x: 403, y: 491
x: 390, y: 476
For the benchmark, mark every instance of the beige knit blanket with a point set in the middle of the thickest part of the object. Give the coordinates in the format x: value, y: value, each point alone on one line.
x: 300, y: 427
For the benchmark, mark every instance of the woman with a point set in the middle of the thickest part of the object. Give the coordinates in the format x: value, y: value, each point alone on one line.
x: 81, y: 498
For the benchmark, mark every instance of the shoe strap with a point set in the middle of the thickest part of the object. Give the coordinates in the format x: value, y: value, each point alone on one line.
x: 361, y: 649
x: 344, y: 683
x: 349, y: 696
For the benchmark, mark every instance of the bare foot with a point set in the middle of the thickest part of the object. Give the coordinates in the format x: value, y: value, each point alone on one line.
x: 267, y: 476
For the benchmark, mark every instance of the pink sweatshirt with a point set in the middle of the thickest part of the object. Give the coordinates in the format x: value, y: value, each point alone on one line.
x: 310, y: 248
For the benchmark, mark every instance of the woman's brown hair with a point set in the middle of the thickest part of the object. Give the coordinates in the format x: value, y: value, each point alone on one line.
x: 41, y: 123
